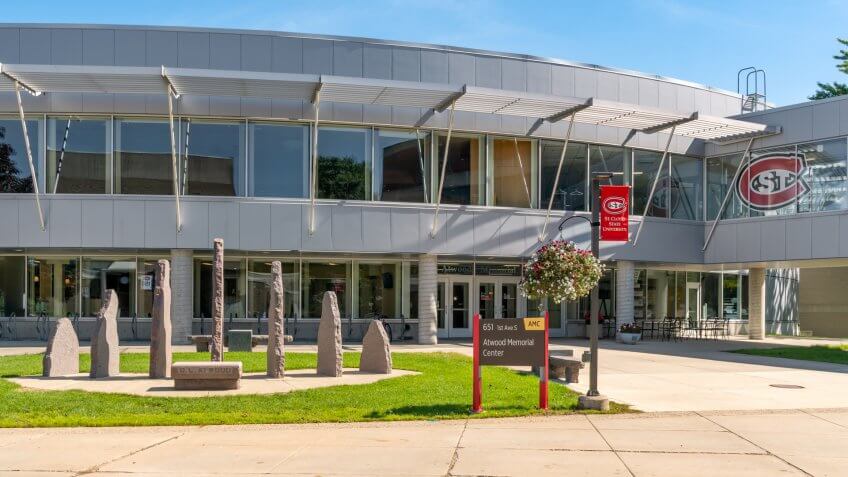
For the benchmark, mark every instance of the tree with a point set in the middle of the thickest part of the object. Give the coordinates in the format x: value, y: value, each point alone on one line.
x: 829, y: 90
x: 10, y: 175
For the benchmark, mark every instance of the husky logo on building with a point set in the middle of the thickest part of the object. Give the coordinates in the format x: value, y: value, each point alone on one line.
x: 772, y: 181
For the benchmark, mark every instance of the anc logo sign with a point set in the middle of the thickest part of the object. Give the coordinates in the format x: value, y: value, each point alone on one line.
x: 772, y: 181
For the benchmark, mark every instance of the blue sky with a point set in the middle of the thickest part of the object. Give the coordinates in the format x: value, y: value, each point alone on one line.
x: 700, y: 41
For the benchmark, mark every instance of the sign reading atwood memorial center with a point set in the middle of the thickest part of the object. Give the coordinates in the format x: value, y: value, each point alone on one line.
x: 615, y: 213
x: 510, y: 342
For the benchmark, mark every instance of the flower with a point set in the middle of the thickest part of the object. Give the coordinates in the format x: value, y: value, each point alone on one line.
x: 560, y: 271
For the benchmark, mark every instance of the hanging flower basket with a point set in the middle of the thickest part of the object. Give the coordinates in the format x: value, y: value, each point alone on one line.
x: 560, y: 271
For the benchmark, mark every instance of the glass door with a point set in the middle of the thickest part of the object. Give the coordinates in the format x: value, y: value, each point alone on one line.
x: 693, y: 301
x: 486, y: 300
x: 508, y: 300
x: 453, y: 305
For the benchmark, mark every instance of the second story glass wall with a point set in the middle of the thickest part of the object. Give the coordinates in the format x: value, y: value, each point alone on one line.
x: 143, y: 157
x: 402, y: 166
x: 571, y: 192
x: 279, y: 160
x: 79, y: 155
x: 344, y: 158
x: 15, y: 175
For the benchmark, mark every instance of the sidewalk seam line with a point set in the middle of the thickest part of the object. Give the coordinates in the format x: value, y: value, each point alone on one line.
x: 768, y: 452
x: 96, y: 468
x: 614, y: 451
x: 823, y: 419
x: 455, y: 456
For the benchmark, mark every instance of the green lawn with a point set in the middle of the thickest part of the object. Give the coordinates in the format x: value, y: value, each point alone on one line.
x: 441, y: 391
x: 824, y: 354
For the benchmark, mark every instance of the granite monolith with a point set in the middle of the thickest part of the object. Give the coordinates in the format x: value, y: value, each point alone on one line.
x: 217, y: 345
x: 104, y: 342
x: 330, y: 337
x: 376, y: 351
x: 62, y: 356
x: 160, y: 326
x: 276, y: 325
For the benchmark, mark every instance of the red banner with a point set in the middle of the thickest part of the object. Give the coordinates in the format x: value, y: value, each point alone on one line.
x: 615, y: 213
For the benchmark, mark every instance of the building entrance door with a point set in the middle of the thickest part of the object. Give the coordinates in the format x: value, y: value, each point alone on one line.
x: 693, y: 303
x: 499, y: 298
x: 453, y: 307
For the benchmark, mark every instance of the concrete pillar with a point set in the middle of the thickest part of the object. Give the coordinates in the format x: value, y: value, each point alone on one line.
x: 427, y: 332
x: 182, y: 294
x: 624, y: 276
x: 757, y: 303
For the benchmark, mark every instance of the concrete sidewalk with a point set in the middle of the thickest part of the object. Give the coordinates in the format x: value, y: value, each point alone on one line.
x: 672, y: 444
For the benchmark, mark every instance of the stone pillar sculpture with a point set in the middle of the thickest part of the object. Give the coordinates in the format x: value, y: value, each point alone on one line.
x: 105, y: 360
x: 62, y: 356
x: 160, y: 327
x: 330, y: 337
x: 217, y: 347
x: 376, y: 351
x: 276, y: 360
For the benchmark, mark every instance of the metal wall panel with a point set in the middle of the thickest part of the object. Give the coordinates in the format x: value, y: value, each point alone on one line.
x: 66, y: 47
x: 488, y: 73
x: 65, y: 226
x: 286, y: 226
x: 407, y: 65
x: 287, y: 55
x: 160, y: 224
x: 748, y: 242
x: 9, y: 236
x: 825, y: 237
x: 406, y: 229
x: 225, y: 51
x: 130, y: 47
x: 317, y: 56
x: 799, y: 238
x: 513, y: 76
x: 376, y: 229
x: 97, y: 223
x: 538, y: 77
x: 10, y: 45
x: 322, y: 238
x: 377, y: 61
x: 35, y: 46
x: 195, y: 221
x: 585, y: 83
x: 346, y: 228
x: 128, y: 223
x: 773, y: 240
x: 347, y: 58
x: 255, y: 221
x: 256, y: 52
x: 193, y: 50
x: 98, y: 47
x: 224, y: 223
x: 161, y: 48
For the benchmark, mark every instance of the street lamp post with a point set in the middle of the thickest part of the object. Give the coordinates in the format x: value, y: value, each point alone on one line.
x: 593, y: 398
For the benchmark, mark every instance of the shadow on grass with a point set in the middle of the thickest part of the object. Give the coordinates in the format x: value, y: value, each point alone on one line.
x: 425, y: 411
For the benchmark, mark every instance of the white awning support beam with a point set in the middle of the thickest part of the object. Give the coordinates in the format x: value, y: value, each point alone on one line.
x: 556, y: 179
x: 316, y: 104
x: 28, y: 148
x: 654, y: 186
x: 444, y: 167
x: 727, y: 194
x: 174, y: 166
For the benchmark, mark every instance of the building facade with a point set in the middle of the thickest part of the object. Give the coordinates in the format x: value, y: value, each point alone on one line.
x: 419, y: 215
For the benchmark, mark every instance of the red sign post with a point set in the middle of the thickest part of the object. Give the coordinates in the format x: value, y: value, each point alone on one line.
x: 615, y: 213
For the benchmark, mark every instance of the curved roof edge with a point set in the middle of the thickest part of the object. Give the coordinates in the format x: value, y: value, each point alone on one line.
x: 455, y: 49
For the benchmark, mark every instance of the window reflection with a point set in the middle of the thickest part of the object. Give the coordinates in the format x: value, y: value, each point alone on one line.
x: 12, y: 286
x: 610, y: 159
x: 571, y: 190
x: 645, y: 169
x: 15, y: 175
x: 259, y: 288
x: 52, y: 286
x: 99, y: 274
x: 826, y: 175
x: 143, y: 157
x: 212, y: 158
x: 323, y: 277
x: 402, y: 165
x: 234, y: 288
x: 343, y: 158
x: 512, y: 162
x: 78, y: 156
x: 464, y: 175
x: 720, y: 173
x: 686, y: 184
x: 379, y: 290
x: 279, y: 160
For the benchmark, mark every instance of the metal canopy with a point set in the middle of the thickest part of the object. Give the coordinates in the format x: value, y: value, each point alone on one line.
x: 435, y: 97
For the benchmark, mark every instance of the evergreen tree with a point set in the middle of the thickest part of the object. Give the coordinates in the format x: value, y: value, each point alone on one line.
x: 10, y: 175
x: 829, y: 90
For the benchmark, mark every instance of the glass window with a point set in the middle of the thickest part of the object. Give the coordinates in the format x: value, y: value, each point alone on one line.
x: 610, y: 159
x: 212, y: 158
x: 680, y: 310
x: 12, y: 286
x: 686, y: 183
x: 464, y: 174
x: 710, y: 289
x: 512, y: 164
x: 720, y: 173
x: 826, y: 175
x: 645, y: 166
x: 411, y: 304
x: 743, y: 294
x: 660, y: 294
x: 99, y: 274
x: 259, y: 288
x: 343, y: 163
x: 571, y: 189
x: 317, y: 278
x: 771, y: 180
x: 402, y: 166
x: 234, y: 285
x: 379, y: 290
x: 279, y: 160
x: 146, y: 284
x: 143, y: 157
x: 52, y: 286
x: 730, y: 295
x: 14, y: 168
x: 78, y: 156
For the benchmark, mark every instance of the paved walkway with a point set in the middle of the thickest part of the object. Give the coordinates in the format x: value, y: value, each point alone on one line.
x: 691, y: 444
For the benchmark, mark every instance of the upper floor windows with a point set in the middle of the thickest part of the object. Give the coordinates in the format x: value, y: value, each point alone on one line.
x: 344, y: 161
x: 212, y: 158
x: 143, y: 157
x: 15, y: 174
x: 465, y: 176
x: 402, y: 166
x: 279, y: 160
x: 79, y: 155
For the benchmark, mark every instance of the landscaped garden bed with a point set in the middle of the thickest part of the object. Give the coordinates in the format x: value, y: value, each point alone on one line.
x: 441, y: 390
